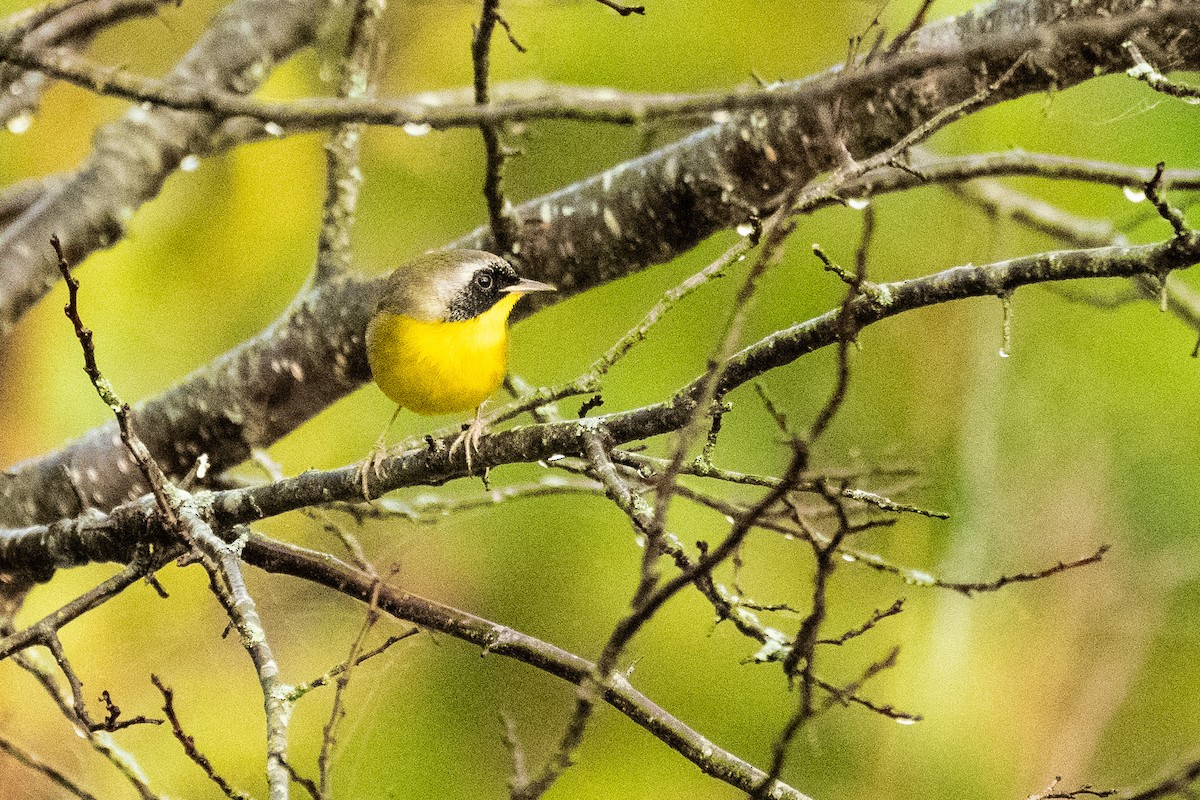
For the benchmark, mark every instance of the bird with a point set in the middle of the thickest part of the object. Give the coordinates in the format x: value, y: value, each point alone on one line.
x: 437, y: 342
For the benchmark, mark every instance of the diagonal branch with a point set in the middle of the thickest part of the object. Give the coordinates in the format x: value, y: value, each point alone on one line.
x: 280, y: 558
x: 23, y: 756
x: 133, y: 156
x: 72, y: 24
x: 637, y: 214
x: 40, y: 549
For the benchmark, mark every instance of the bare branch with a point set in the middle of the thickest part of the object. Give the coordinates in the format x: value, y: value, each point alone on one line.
x: 1005, y: 43
x: 91, y: 208
x: 222, y: 562
x: 432, y: 509
x: 281, y: 558
x: 694, y: 183
x: 1165, y: 210
x: 1178, y: 782
x: 137, y: 450
x: 1052, y: 792
x: 32, y: 761
x: 26, y: 548
x: 189, y: 744
x: 877, y: 616
x: 343, y: 178
x: 101, y: 741
x: 914, y: 24
x: 520, y: 773
x: 1143, y: 70
x: 504, y: 224
x: 592, y: 380
x: 1026, y: 577
x: 756, y: 169
x: 329, y: 733
x: 48, y: 626
x: 323, y: 680
x: 73, y: 24
x: 624, y: 11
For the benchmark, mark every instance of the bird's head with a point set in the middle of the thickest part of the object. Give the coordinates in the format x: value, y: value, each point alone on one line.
x: 453, y: 285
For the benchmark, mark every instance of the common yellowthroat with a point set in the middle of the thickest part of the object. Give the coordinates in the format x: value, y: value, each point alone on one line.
x: 438, y: 340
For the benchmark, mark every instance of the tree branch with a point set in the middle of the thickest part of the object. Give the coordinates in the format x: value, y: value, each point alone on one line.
x: 343, y: 175
x: 280, y: 558
x: 132, y: 157
x: 637, y: 214
x: 72, y: 24
x: 110, y: 538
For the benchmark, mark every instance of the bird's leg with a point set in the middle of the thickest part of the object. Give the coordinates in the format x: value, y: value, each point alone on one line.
x: 470, y: 436
x: 375, y: 457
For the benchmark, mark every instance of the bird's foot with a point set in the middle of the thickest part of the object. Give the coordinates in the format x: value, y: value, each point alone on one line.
x: 371, y: 464
x: 375, y: 457
x: 469, y: 438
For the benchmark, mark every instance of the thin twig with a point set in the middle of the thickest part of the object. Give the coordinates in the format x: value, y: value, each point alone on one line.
x: 591, y: 380
x: 603, y: 673
x: 302, y: 689
x: 1043, y: 217
x: 32, y: 761
x: 848, y: 694
x: 222, y: 563
x: 343, y: 176
x: 189, y: 744
x: 1165, y: 210
x: 800, y: 658
x: 50, y: 624
x: 137, y: 449
x: 1050, y: 793
x: 772, y: 235
x: 1144, y: 71
x: 112, y: 716
x: 281, y: 558
x: 349, y: 541
x: 877, y: 616
x: 337, y: 711
x: 624, y: 11
x: 705, y: 468
x: 1026, y: 577
x: 914, y: 24
x: 504, y: 223
x: 431, y: 509
x: 512, y: 743
x: 101, y: 741
x: 307, y: 784
x: 1178, y: 782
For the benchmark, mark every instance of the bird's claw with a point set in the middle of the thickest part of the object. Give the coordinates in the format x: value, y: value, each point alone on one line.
x: 469, y: 438
x: 372, y: 464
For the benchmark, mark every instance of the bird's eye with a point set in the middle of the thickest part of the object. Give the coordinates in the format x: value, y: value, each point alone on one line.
x: 484, y: 281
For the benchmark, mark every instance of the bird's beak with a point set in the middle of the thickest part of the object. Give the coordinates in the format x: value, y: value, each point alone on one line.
x: 526, y: 285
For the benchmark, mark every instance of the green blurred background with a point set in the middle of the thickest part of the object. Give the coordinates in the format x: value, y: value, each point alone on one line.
x: 1086, y: 435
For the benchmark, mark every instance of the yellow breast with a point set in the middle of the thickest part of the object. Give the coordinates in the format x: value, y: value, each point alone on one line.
x: 440, y: 367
